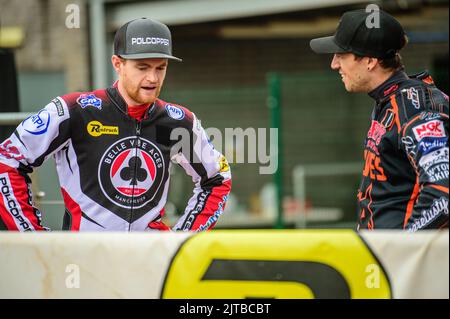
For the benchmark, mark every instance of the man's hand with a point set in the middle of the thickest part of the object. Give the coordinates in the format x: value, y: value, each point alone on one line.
x: 158, y: 226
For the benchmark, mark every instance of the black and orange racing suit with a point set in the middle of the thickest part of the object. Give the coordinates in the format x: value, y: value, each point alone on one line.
x: 405, y: 177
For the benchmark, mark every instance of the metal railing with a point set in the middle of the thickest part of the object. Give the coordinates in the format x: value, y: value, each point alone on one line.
x: 13, y: 118
x: 300, y: 172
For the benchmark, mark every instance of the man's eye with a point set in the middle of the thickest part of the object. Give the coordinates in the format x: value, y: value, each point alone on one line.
x: 142, y: 68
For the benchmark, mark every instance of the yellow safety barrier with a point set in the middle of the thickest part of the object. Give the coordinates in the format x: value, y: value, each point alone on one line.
x: 225, y: 264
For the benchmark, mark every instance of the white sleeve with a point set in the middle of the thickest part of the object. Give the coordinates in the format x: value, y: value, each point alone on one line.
x: 211, y: 175
x: 37, y: 137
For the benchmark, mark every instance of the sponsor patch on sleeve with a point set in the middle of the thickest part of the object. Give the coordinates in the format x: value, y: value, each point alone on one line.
x: 175, y: 112
x: 413, y: 95
x: 433, y: 128
x: 59, y: 107
x: 224, y: 166
x: 8, y: 150
x: 433, y: 158
x: 429, y: 144
x: 37, y: 124
x: 439, y: 207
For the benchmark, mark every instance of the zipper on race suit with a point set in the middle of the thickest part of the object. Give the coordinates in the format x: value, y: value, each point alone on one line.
x: 138, y: 134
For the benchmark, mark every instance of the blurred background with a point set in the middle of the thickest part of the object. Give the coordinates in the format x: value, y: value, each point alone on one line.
x: 238, y: 56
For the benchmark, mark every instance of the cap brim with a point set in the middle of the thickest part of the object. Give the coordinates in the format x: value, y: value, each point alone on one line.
x: 325, y: 45
x: 149, y: 56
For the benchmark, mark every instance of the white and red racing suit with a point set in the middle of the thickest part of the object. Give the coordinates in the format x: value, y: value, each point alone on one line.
x: 113, y: 170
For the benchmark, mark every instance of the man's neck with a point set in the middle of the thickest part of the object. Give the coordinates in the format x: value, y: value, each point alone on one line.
x: 380, y: 79
x: 125, y: 96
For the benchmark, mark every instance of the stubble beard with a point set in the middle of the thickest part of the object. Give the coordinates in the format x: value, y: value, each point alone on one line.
x: 358, y: 85
x: 134, y: 94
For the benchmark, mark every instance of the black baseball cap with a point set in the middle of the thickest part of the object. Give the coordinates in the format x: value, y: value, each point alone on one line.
x: 360, y: 33
x: 144, y: 38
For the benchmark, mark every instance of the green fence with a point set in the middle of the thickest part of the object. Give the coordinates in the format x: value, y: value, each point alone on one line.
x: 320, y: 123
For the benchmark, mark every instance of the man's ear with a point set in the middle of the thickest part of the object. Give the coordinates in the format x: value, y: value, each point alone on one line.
x: 116, y: 62
x: 372, y: 63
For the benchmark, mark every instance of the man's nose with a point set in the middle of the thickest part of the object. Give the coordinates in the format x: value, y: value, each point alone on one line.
x: 152, y: 76
x: 335, y: 63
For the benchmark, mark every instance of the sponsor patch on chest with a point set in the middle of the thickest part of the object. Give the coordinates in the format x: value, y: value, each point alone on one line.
x: 131, y: 172
x: 85, y: 100
x: 95, y: 128
x: 376, y: 132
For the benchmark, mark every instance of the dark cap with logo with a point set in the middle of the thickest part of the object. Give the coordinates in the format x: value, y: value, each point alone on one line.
x: 365, y: 33
x: 144, y: 38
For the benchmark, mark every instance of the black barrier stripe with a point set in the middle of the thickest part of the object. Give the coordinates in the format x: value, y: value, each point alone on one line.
x: 378, y: 262
x: 325, y: 281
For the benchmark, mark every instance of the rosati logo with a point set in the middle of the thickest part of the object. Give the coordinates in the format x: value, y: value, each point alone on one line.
x: 85, y: 100
x: 429, y: 129
x: 175, y: 112
x: 131, y: 171
x: 37, y: 124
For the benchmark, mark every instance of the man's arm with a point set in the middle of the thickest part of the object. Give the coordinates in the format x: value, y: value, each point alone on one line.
x: 425, y: 141
x: 211, y: 175
x: 33, y: 141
